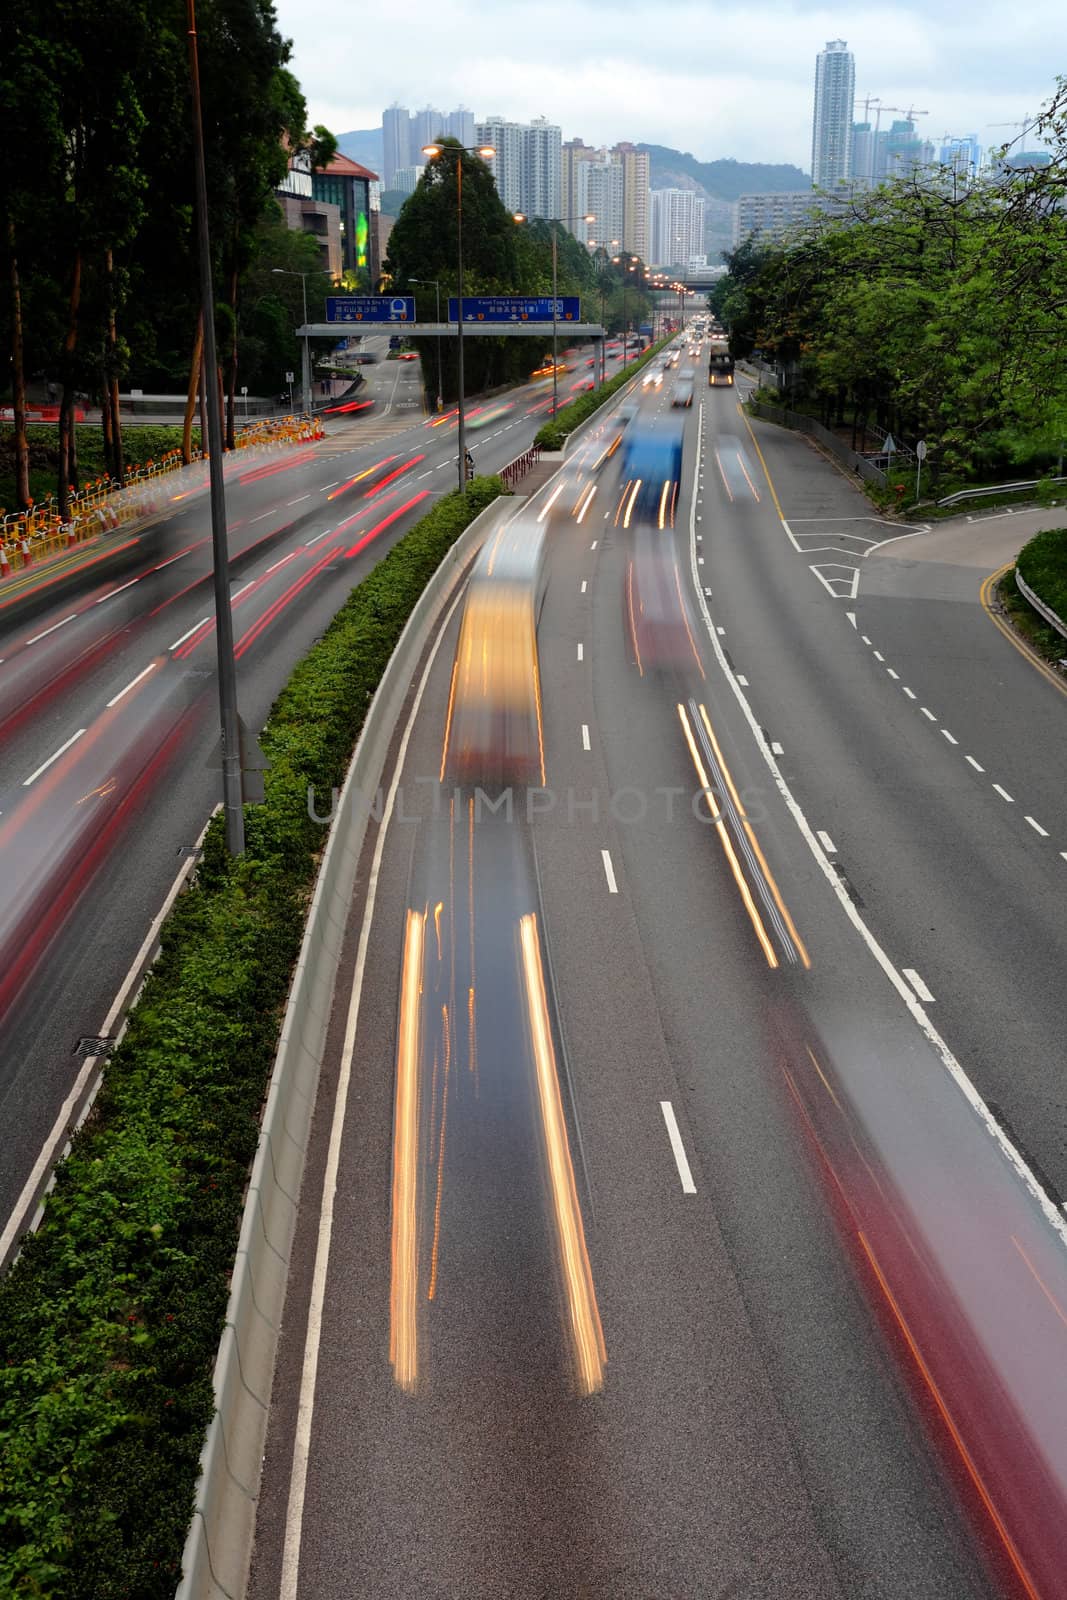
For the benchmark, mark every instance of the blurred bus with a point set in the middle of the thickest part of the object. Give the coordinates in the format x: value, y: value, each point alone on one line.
x: 493, y: 731
x: 651, y: 472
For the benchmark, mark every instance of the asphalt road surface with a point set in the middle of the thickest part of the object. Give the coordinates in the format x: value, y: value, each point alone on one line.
x: 674, y: 1246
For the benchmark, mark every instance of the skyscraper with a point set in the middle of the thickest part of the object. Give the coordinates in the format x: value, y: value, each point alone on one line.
x: 576, y: 158
x: 396, y: 142
x: 677, y: 227
x: 459, y: 125
x: 527, y: 164
x: 636, y: 202
x: 831, y: 138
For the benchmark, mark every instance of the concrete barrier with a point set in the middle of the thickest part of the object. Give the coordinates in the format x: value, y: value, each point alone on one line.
x: 218, y: 1550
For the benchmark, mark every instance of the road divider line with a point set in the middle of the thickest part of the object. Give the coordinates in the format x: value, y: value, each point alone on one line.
x: 778, y: 749
x: 974, y: 764
x: 1037, y: 827
x: 918, y: 985
x: 52, y: 629
x: 52, y: 758
x: 928, y: 713
x: 910, y: 693
x: 681, y: 1160
x: 189, y: 634
x: 113, y: 592
x: 894, y: 675
x: 151, y: 667
x: 951, y: 739
x: 827, y: 843
x: 609, y: 871
x: 580, y: 653
x: 1004, y: 795
x: 261, y: 516
x: 585, y: 736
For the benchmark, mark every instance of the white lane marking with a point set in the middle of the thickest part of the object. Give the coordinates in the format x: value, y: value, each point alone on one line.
x: 584, y: 585
x: 294, y: 1515
x: 280, y: 563
x: 951, y: 739
x: 52, y: 629
x: 329, y: 486
x: 585, y: 736
x: 317, y: 537
x: 789, y: 534
x: 742, y: 680
x: 827, y: 843
x: 1038, y: 828
x: 242, y: 589
x: 720, y: 630
x: 974, y: 764
x: 580, y: 652
x: 777, y: 749
x: 163, y: 564
x: 878, y: 656
x: 55, y: 757
x: 700, y: 561
x: 927, y: 713
x: 151, y: 667
x: 892, y: 674
x: 593, y: 545
x: 910, y: 693
x: 865, y: 639
x: 681, y: 1160
x: 609, y: 871
x: 1051, y: 1212
x: 1004, y: 795
x: 189, y: 634
x: 918, y: 985
x: 113, y: 592
x: 851, y: 615
x: 262, y: 514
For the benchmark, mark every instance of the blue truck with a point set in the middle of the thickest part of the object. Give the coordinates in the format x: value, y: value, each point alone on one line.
x: 652, y: 471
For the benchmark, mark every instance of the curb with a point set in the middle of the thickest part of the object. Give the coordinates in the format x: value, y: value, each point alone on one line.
x: 218, y: 1550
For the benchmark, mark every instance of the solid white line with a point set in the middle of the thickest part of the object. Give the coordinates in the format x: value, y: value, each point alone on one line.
x: 974, y: 764
x: 827, y: 843
x: 52, y: 629
x: 584, y: 585
x: 1004, y: 795
x: 789, y: 533
x: 112, y: 592
x: 46, y: 764
x: 1037, y: 827
x: 949, y: 736
x: 609, y: 871
x: 1052, y: 1212
x: 681, y: 1160
x: 585, y: 737
x: 927, y: 713
x: 918, y: 985
x: 151, y: 667
x: 910, y: 693
x: 190, y: 633
x: 294, y: 1516
x: 61, y: 1128
x: 580, y: 652
x: 280, y: 563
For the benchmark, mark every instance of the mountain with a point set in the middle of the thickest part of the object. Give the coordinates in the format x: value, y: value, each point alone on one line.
x: 363, y: 145
x: 721, y: 180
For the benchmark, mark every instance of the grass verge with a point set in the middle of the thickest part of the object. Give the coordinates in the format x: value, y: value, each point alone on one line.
x: 551, y: 435
x: 111, y: 1317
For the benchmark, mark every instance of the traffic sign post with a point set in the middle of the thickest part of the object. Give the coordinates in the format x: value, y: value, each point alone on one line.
x: 920, y: 457
x: 515, y: 308
x: 370, y: 308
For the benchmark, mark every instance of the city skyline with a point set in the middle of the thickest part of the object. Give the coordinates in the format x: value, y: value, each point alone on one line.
x: 709, y: 97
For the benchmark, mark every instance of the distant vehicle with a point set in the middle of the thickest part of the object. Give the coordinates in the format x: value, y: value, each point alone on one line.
x: 652, y: 378
x: 651, y: 471
x: 682, y: 393
x: 493, y: 733
x: 408, y: 355
x: 720, y: 367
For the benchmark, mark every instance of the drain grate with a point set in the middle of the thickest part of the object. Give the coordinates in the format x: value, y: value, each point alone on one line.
x: 94, y: 1045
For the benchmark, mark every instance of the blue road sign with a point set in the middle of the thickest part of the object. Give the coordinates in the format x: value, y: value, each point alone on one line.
x: 514, y: 308
x: 370, y: 308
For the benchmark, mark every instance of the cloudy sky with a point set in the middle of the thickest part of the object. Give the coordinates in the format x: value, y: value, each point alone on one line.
x: 720, y: 78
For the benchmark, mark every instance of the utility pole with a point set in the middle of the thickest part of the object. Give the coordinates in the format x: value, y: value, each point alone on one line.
x: 231, y: 721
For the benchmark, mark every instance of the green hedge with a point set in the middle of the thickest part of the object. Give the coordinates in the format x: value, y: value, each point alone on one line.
x: 552, y: 434
x: 110, y: 1319
x: 1043, y: 564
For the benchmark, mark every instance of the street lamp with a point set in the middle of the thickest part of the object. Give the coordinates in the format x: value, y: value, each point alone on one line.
x: 437, y: 290
x: 553, y: 223
x: 486, y: 151
x: 287, y: 272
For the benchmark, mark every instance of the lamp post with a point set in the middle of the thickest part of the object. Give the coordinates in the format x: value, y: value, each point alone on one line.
x: 486, y: 151
x: 437, y: 290
x: 554, y: 223
x: 305, y: 372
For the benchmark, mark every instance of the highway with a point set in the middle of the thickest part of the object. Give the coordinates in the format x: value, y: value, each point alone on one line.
x: 683, y: 1213
x: 109, y: 713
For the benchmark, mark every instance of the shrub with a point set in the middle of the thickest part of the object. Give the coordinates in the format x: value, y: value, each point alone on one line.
x: 551, y: 435
x: 1043, y: 565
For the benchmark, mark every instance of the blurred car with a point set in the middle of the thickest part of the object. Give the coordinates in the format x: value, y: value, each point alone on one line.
x: 408, y: 355
x: 653, y: 378
x: 682, y: 393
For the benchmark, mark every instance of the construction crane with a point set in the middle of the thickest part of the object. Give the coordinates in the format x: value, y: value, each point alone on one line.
x: 1022, y: 126
x: 910, y: 112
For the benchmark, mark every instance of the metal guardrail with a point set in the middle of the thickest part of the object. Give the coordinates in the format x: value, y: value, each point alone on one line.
x: 1019, y: 487
x: 517, y: 469
x: 218, y: 1549
x: 1050, y: 616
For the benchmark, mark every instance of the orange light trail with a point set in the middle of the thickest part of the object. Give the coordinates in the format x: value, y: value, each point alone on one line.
x: 630, y: 609
x: 343, y: 488
x: 586, y: 1331
x: 396, y: 473
x: 403, y: 1312
x: 630, y: 502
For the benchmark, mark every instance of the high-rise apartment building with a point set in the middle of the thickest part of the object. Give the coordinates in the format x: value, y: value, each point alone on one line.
x: 527, y: 165
x: 677, y: 227
x: 963, y: 154
x: 636, y: 204
x: 576, y: 157
x: 768, y: 217
x: 404, y: 135
x: 396, y: 142
x: 602, y: 195
x: 831, y: 138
